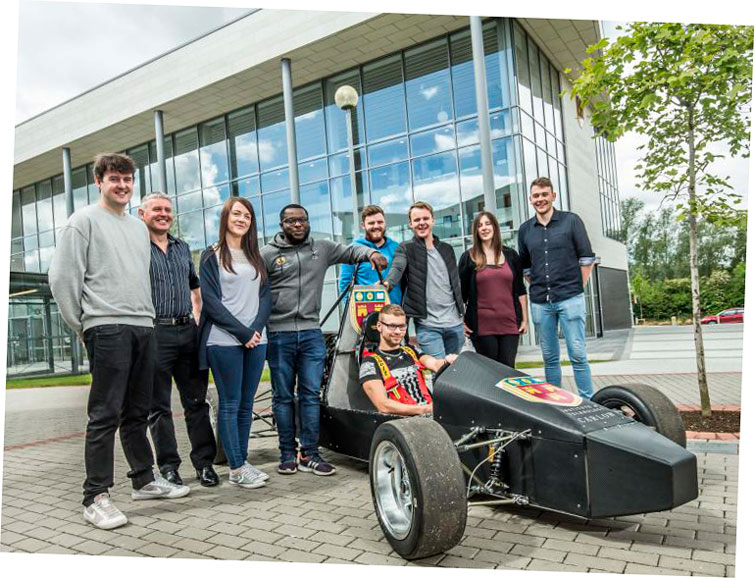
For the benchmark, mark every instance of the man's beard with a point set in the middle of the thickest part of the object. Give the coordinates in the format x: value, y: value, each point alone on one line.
x: 371, y: 236
x: 294, y: 241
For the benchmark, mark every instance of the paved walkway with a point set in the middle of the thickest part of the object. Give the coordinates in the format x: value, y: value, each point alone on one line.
x: 310, y: 519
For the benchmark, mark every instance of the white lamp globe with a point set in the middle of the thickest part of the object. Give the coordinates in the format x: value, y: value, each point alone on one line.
x: 346, y: 97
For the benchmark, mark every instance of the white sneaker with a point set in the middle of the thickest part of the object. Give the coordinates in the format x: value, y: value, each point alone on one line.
x: 246, y: 477
x: 255, y: 471
x: 158, y: 489
x: 103, y: 514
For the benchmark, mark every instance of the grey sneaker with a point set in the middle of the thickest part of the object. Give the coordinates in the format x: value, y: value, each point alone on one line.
x: 103, y: 514
x: 246, y: 477
x: 255, y: 471
x: 158, y: 489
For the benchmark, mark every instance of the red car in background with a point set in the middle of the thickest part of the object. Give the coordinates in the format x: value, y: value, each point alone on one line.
x: 733, y: 315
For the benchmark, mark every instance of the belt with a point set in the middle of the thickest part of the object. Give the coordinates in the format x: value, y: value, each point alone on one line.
x: 183, y: 320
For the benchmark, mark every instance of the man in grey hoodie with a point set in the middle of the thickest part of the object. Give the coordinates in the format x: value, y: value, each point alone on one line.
x: 296, y: 266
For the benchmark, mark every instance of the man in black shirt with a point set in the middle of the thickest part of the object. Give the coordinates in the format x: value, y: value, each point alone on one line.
x: 557, y: 259
x: 392, y: 376
x: 175, y: 294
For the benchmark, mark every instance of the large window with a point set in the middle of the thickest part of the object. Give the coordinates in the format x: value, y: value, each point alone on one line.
x: 610, y: 206
x: 539, y: 115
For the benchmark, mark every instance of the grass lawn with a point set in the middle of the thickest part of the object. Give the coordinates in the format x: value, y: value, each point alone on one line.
x: 83, y: 379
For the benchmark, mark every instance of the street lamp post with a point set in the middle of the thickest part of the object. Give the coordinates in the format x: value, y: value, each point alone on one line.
x: 346, y: 98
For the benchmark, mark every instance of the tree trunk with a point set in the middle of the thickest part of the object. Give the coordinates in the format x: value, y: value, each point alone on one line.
x: 702, y: 379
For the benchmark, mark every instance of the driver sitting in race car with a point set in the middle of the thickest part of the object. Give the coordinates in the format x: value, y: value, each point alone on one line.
x: 392, y: 376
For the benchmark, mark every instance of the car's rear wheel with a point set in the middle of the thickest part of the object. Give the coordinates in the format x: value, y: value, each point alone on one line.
x: 417, y: 487
x: 647, y: 405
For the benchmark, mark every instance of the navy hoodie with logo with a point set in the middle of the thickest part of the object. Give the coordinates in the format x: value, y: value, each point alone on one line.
x: 296, y: 274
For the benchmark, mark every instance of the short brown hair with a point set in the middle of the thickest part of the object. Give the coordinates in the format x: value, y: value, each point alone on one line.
x: 392, y: 309
x: 370, y: 210
x: 114, y: 162
x: 421, y: 205
x: 542, y: 182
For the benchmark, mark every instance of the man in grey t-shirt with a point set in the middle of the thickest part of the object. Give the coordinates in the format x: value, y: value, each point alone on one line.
x: 99, y: 277
x: 426, y: 268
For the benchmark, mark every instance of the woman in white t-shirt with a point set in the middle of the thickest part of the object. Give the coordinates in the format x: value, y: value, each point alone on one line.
x: 233, y: 341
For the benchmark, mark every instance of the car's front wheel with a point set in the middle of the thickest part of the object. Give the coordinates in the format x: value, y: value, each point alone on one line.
x: 418, y: 487
x: 647, y: 405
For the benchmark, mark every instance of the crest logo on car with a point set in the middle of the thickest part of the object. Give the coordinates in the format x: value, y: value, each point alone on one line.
x: 364, y: 301
x: 538, y: 391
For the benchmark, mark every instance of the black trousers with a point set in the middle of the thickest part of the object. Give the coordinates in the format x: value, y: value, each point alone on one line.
x: 121, y: 359
x: 502, y: 348
x: 177, y: 359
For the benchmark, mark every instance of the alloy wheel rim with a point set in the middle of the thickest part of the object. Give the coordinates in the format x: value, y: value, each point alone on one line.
x: 393, y: 490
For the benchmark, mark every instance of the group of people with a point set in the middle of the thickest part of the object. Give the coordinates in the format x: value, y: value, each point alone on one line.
x: 130, y: 290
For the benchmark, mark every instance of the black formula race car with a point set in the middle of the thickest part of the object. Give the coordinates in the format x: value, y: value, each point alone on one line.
x: 498, y: 436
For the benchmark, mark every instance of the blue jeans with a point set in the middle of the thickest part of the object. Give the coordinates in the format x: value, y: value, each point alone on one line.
x: 292, y: 355
x: 237, y: 372
x: 438, y: 342
x: 570, y: 313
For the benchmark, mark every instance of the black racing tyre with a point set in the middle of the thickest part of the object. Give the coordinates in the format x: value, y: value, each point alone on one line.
x: 647, y: 405
x: 418, y: 487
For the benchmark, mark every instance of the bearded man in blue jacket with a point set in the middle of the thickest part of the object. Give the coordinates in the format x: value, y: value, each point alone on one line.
x: 373, y: 223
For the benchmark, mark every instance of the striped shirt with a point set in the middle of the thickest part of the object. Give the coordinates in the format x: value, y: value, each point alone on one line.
x: 173, y: 277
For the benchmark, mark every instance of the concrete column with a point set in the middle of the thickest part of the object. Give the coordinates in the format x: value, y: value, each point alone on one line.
x: 483, y: 116
x: 288, y: 107
x: 162, y: 177
x: 67, y: 180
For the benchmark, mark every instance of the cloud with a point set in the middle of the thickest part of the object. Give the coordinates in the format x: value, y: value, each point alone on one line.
x: 628, y: 156
x: 65, y: 48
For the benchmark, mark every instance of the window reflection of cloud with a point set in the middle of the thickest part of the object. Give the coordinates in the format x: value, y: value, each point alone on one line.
x: 186, y: 172
x: 268, y: 151
x: 430, y: 92
x: 440, y: 192
x: 212, y: 223
x: 308, y: 116
x: 211, y: 196
x: 210, y: 169
x: 246, y: 152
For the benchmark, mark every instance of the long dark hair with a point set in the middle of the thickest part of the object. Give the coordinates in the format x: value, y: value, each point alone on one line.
x: 477, y: 253
x: 248, y: 242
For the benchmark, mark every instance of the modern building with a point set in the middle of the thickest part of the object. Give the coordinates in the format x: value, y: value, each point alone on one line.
x: 223, y: 107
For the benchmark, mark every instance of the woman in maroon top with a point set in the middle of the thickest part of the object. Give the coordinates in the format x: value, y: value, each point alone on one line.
x: 492, y: 287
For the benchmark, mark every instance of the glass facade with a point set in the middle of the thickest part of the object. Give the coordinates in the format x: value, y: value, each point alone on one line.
x: 416, y: 137
x: 608, y: 188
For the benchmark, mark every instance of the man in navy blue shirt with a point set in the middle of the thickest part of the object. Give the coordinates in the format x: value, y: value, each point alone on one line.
x: 557, y: 259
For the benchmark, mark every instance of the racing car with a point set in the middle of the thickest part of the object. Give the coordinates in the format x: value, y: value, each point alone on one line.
x: 498, y: 436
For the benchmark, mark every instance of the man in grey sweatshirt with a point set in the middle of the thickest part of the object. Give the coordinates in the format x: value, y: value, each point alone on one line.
x: 296, y: 266
x: 100, y: 280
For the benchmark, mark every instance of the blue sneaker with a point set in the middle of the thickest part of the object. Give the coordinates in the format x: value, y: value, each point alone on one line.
x: 287, y: 466
x: 316, y: 465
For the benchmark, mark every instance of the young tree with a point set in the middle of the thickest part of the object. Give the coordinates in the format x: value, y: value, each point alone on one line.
x: 687, y: 88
